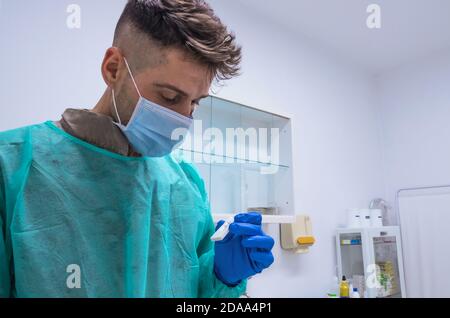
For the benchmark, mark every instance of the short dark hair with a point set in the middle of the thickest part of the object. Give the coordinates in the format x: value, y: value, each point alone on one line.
x: 188, y: 24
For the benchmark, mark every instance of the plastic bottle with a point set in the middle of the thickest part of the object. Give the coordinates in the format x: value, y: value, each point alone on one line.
x: 355, y: 293
x: 333, y: 292
x: 344, y: 289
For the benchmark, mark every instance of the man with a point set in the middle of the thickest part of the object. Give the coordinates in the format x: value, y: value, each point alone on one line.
x: 96, y: 205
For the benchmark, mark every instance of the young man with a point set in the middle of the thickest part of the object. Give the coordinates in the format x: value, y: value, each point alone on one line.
x: 95, y: 205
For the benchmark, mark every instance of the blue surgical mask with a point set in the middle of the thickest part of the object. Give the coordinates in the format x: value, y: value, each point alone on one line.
x: 153, y: 130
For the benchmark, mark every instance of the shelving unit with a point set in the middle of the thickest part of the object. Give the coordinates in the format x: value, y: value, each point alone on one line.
x: 376, y: 260
x: 244, y: 156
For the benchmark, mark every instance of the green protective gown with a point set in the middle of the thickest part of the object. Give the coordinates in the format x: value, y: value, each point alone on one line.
x: 79, y: 221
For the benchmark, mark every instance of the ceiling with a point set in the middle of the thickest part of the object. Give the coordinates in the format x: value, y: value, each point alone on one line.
x: 410, y: 29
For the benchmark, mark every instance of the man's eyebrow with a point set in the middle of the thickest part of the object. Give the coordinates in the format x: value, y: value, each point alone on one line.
x: 176, y: 89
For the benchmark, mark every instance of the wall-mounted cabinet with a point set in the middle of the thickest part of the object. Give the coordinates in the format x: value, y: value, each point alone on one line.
x: 244, y: 156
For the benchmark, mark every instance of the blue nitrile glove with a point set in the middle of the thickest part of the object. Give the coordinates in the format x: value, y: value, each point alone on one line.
x: 244, y: 252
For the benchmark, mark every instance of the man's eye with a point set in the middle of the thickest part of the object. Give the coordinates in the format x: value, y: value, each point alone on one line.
x: 170, y: 100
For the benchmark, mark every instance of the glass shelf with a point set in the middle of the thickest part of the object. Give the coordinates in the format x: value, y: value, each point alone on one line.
x: 225, y: 158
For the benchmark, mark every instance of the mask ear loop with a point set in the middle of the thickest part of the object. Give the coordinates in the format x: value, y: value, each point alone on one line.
x: 115, y: 106
x: 114, y: 95
x: 132, y: 77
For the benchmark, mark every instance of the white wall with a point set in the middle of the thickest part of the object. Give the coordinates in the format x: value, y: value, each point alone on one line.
x: 415, y: 103
x: 47, y: 67
x: 336, y: 141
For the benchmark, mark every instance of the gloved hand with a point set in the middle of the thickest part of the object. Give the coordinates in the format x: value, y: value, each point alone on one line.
x: 244, y: 252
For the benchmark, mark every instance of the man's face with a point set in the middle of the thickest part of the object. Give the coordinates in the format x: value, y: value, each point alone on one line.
x: 177, y: 83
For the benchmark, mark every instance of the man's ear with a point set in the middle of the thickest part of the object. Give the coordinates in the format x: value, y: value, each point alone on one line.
x: 112, y: 66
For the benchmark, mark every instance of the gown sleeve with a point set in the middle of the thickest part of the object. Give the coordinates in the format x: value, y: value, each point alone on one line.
x: 15, y: 156
x: 209, y: 286
x: 5, y: 279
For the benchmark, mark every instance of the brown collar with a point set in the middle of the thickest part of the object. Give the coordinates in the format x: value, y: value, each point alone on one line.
x: 96, y: 129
